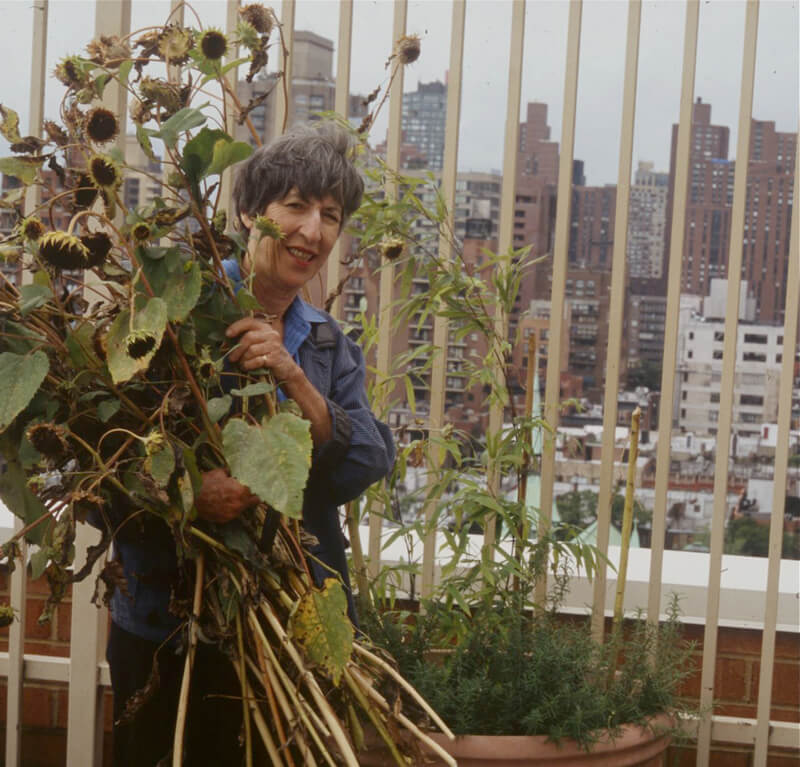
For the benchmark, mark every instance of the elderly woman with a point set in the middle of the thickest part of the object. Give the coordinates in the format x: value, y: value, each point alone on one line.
x: 306, y: 183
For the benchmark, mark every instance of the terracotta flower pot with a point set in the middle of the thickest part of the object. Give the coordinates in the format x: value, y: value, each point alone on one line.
x: 634, y: 746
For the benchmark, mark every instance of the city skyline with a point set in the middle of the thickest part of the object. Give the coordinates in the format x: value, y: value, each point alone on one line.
x: 486, y: 63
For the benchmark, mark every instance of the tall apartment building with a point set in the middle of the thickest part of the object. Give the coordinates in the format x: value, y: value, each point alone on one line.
x: 647, y: 215
x: 759, y: 360
x: 706, y: 241
x: 313, y: 87
x: 423, y: 121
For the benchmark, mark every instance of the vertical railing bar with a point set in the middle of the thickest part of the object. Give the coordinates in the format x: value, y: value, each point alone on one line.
x: 18, y: 581
x: 791, y: 312
x: 680, y: 197
x: 560, y: 250
x: 441, y: 325
x: 225, y: 200
x: 341, y: 104
x: 387, y: 275
x: 506, y: 232
x: 616, y: 311
x: 727, y: 385
x: 283, y: 99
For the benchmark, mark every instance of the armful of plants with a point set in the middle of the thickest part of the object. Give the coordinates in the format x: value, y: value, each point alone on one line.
x: 222, y: 498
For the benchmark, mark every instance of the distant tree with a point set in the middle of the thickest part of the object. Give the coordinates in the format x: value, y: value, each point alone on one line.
x: 746, y: 537
x: 578, y: 509
x: 646, y: 373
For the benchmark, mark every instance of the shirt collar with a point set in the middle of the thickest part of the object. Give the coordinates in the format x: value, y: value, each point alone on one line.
x: 297, y: 324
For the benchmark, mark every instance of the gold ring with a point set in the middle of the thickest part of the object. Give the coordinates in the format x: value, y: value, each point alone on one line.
x: 263, y: 360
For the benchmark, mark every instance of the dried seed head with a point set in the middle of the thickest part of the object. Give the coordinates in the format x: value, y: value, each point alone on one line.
x: 31, y: 228
x: 104, y: 172
x: 408, y: 49
x: 85, y: 191
x: 174, y: 44
x: 101, y: 125
x: 266, y: 227
x: 87, y: 504
x: 98, y: 244
x: 139, y: 111
x: 108, y: 50
x: 141, y: 231
x: 63, y: 251
x: 213, y: 44
x: 70, y: 72
x: 160, y: 92
x: 55, y: 133
x: 220, y: 221
x: 392, y: 248
x: 258, y: 16
x: 49, y: 439
x: 6, y: 615
x: 140, y: 343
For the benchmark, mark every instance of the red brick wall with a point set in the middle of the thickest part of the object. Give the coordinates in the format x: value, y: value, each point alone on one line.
x: 735, y: 687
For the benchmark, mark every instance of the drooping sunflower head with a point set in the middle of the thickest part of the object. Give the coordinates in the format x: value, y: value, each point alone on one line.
x: 174, y: 44
x: 63, y: 251
x: 140, y: 343
x: 141, y: 231
x: 267, y: 227
x: 98, y: 244
x: 49, y: 439
x: 258, y: 16
x: 213, y: 44
x: 31, y: 228
x: 104, y: 172
x: 392, y: 248
x: 101, y: 125
x: 85, y: 192
x: 408, y: 49
x: 70, y: 72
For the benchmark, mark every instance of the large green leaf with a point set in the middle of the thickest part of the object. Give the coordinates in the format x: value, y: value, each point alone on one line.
x: 20, y: 378
x: 199, y: 151
x: 80, y: 346
x: 272, y: 459
x: 33, y: 296
x: 176, y: 281
x: 226, y: 153
x: 152, y: 320
x: 320, y: 624
x: 181, y: 121
x: 23, y: 168
x: 20, y: 500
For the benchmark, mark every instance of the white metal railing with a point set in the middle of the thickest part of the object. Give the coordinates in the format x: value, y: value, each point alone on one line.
x: 87, y: 674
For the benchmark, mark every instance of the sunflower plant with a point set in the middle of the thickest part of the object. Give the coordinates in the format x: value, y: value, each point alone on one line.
x: 110, y: 360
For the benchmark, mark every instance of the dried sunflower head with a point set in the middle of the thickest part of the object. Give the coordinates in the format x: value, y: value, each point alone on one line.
x: 391, y: 248
x: 98, y: 244
x: 108, y: 50
x: 213, y: 44
x: 408, y: 49
x: 159, y: 91
x: 258, y: 16
x: 140, y: 343
x: 31, y: 228
x: 174, y: 44
x: 55, y: 133
x: 85, y: 192
x: 49, y: 439
x: 139, y: 111
x: 101, y: 125
x: 6, y: 615
x: 141, y: 231
x: 104, y: 172
x: 71, y: 72
x: 63, y: 251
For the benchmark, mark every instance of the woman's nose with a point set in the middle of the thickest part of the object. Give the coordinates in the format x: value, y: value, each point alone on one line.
x: 311, y: 227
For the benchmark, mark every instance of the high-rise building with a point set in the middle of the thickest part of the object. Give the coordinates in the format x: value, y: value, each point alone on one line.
x: 706, y: 241
x: 423, y: 121
x: 647, y: 216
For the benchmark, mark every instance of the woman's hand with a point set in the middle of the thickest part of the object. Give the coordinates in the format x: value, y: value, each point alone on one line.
x: 222, y: 498
x: 261, y: 346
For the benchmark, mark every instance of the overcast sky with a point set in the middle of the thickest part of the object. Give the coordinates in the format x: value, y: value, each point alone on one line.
x: 486, y: 64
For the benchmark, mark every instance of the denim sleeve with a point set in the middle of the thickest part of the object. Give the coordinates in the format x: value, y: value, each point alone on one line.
x: 361, y: 450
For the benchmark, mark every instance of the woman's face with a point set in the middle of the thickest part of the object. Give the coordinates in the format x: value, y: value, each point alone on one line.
x: 310, y: 229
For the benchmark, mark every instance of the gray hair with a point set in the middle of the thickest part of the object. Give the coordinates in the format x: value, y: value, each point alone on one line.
x: 316, y: 159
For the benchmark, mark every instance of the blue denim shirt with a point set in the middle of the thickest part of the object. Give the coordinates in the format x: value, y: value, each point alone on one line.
x: 360, y: 452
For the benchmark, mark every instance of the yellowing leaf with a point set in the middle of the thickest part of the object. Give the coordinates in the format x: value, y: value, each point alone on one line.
x: 321, y: 626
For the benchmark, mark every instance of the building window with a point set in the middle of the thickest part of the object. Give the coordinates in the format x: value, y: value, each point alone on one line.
x: 751, y: 399
x: 714, y: 396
